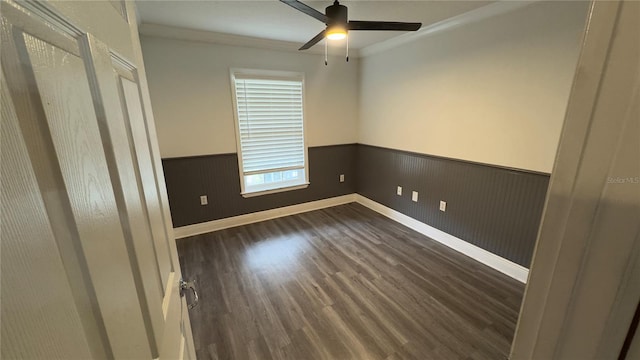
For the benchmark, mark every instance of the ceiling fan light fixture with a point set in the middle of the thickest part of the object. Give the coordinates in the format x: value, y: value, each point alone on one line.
x: 336, y: 33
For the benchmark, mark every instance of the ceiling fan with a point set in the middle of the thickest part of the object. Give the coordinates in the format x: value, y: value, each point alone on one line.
x: 338, y: 24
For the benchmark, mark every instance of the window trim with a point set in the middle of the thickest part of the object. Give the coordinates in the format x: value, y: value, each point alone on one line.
x: 268, y: 74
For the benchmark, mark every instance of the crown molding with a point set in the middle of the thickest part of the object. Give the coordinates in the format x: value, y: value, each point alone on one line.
x: 179, y: 33
x: 481, y: 13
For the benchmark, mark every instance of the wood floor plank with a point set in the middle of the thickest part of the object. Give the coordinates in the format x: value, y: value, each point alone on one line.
x: 344, y: 283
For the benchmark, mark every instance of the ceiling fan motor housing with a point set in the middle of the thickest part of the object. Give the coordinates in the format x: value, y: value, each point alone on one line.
x: 337, y: 14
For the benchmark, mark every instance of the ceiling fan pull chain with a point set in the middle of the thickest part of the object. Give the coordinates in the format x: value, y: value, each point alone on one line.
x: 326, y: 49
x: 347, y: 47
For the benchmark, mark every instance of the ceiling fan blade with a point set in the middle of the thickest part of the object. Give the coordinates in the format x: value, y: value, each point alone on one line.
x: 307, y: 10
x: 383, y: 25
x: 313, y: 41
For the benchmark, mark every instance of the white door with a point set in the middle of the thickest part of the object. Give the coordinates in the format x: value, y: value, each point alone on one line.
x: 88, y: 262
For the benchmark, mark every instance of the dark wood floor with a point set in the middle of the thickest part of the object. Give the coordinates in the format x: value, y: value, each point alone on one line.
x: 344, y: 283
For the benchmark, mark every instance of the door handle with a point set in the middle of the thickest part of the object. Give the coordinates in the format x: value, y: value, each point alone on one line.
x: 189, y: 285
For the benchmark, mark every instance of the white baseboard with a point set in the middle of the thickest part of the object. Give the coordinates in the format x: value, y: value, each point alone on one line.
x: 501, y: 264
x: 215, y: 225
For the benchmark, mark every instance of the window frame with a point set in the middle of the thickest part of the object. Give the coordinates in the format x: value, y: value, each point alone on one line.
x: 276, y: 75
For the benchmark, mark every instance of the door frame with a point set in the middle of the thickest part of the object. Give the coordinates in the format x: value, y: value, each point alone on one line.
x: 582, y: 292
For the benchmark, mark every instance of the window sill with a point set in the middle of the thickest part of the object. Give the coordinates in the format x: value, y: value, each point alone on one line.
x: 273, y: 191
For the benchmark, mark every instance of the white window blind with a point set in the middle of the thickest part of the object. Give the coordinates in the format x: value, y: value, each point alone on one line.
x: 270, y: 131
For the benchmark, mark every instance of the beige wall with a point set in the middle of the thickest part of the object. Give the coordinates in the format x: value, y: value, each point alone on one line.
x: 191, y: 94
x: 493, y: 92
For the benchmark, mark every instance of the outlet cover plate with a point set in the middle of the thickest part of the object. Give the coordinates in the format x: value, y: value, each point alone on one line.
x: 414, y: 196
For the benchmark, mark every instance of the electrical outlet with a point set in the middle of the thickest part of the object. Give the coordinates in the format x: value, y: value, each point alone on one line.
x: 443, y: 205
x: 204, y: 200
x: 414, y: 196
x: 399, y: 191
x: 341, y: 177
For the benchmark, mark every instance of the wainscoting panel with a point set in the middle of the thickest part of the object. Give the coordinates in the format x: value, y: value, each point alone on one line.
x: 217, y: 177
x: 497, y: 209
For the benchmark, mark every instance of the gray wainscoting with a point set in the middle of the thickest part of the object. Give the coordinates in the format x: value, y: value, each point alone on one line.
x: 217, y: 176
x: 495, y: 208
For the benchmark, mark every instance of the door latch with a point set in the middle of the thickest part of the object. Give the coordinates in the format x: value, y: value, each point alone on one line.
x: 189, y: 285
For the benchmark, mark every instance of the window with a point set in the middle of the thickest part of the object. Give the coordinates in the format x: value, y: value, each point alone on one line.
x: 272, y: 152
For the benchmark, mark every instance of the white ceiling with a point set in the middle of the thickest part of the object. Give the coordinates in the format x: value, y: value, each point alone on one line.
x: 273, y: 20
